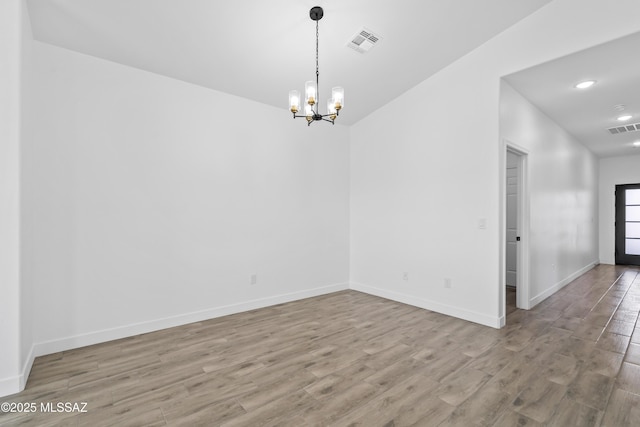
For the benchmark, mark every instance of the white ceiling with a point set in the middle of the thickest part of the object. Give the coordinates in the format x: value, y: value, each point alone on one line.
x: 260, y: 49
x: 588, y: 113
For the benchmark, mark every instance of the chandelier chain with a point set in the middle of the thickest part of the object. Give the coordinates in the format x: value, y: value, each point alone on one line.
x: 317, y: 68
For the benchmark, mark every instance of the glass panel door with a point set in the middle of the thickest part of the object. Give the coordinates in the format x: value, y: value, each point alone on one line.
x: 632, y: 221
x: 628, y: 224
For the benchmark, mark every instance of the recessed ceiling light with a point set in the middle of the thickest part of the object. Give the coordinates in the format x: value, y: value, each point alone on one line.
x: 624, y: 118
x: 585, y: 84
x: 636, y: 144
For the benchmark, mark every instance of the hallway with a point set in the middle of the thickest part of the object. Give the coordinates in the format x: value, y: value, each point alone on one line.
x: 588, y: 344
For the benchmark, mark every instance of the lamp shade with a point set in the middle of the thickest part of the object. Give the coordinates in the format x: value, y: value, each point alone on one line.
x: 331, y: 109
x: 294, y: 101
x: 337, y: 93
x: 310, y: 92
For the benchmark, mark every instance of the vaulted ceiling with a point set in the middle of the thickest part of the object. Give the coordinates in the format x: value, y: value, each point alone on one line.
x: 260, y: 49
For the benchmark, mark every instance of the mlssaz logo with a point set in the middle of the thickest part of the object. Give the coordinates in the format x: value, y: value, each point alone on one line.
x: 66, y: 407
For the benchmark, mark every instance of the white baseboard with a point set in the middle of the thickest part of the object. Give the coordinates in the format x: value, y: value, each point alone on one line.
x: 561, y: 284
x: 502, y: 321
x: 10, y: 385
x: 26, y: 368
x: 13, y: 385
x: 472, y: 316
x: 96, y: 337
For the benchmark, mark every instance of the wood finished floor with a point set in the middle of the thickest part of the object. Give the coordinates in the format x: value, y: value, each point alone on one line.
x: 350, y: 359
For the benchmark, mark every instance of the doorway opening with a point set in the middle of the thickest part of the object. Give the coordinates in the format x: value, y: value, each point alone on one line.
x: 627, y: 224
x: 515, y: 286
x: 511, y: 232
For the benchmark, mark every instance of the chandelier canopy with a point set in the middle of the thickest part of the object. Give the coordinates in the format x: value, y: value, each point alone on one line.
x: 311, y: 94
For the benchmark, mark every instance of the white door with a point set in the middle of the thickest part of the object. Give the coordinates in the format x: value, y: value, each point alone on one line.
x: 512, y: 220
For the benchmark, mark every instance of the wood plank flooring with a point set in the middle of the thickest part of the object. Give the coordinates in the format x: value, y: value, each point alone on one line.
x: 350, y: 359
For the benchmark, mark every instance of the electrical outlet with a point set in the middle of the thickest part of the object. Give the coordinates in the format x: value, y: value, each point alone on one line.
x: 447, y: 283
x: 254, y: 279
x: 405, y: 276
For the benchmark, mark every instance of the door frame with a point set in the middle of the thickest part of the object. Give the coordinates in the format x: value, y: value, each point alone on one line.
x: 620, y: 256
x: 523, y: 258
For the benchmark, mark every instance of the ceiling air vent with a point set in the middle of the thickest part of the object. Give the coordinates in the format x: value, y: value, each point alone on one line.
x: 363, y: 41
x: 624, y: 129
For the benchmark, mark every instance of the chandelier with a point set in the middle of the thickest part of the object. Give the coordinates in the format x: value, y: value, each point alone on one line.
x: 311, y: 96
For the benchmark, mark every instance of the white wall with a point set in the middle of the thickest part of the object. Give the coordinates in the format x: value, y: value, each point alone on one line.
x: 27, y: 126
x: 10, y: 67
x: 563, y: 190
x: 153, y: 201
x: 613, y: 171
x: 426, y: 168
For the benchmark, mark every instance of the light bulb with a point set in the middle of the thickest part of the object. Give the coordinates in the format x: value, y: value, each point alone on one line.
x: 585, y: 84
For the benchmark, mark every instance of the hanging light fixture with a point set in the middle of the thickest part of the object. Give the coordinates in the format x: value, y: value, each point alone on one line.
x: 311, y: 94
